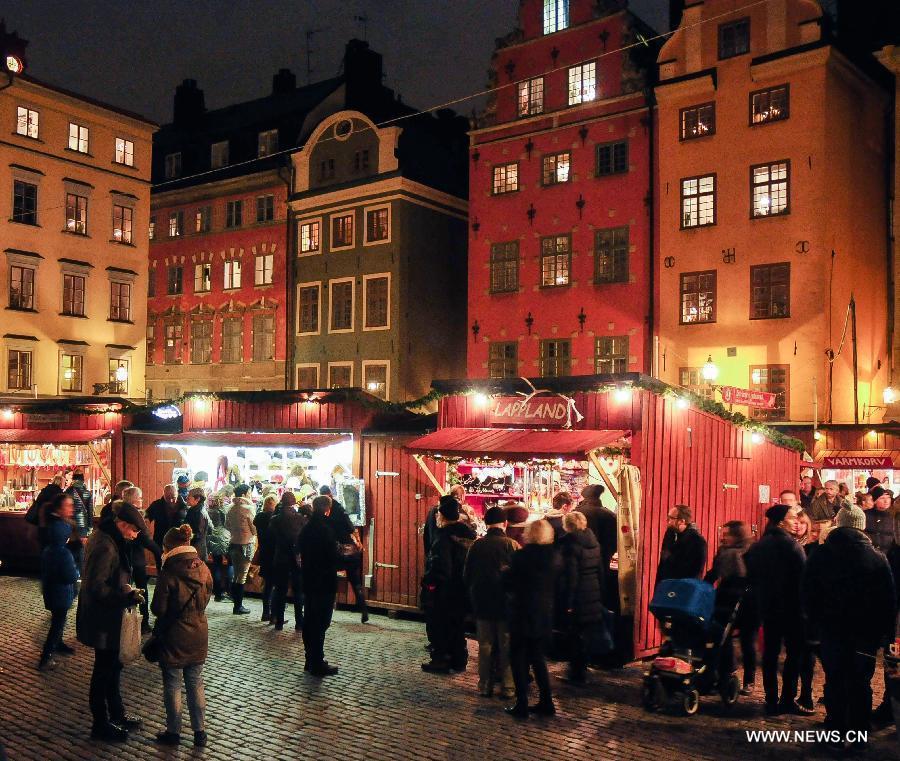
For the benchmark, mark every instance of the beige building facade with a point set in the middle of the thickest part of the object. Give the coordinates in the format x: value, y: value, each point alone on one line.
x: 74, y: 215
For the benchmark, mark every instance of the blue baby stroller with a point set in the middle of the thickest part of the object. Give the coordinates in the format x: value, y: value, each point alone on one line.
x: 694, y: 632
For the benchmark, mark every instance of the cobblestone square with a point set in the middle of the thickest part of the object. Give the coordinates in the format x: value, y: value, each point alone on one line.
x: 261, y: 705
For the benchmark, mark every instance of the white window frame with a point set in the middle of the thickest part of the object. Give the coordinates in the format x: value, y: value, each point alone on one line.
x: 32, y: 122
x: 23, y: 347
x: 366, y: 278
x: 125, y: 148
x: 386, y: 364
x: 263, y: 143
x: 232, y: 273
x: 219, y: 154
x: 121, y: 281
x: 533, y: 106
x: 317, y: 284
x: 555, y: 16
x: 583, y: 94
x: 126, y: 231
x: 121, y: 357
x: 300, y: 225
x: 331, y: 284
x: 266, y: 258
x: 502, y: 172
x: 75, y: 351
x: 198, y: 271
x: 176, y: 224
x: 80, y: 141
x: 306, y: 365
x: 331, y: 218
x: 390, y: 230
x: 340, y: 364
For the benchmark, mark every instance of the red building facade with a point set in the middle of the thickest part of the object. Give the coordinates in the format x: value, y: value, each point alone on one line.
x: 561, y: 197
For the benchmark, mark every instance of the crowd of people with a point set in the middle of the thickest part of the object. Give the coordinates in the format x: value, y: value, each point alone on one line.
x: 203, y: 550
x: 818, y: 583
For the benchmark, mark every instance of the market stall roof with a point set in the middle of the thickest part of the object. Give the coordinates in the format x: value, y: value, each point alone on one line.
x: 857, y: 459
x: 509, y: 443
x: 301, y: 439
x: 49, y: 436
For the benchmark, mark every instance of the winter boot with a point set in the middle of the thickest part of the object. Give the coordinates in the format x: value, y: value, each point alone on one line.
x: 267, y: 610
x: 361, y: 604
x: 237, y: 595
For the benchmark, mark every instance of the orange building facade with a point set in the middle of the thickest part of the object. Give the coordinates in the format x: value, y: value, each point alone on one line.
x: 773, y: 213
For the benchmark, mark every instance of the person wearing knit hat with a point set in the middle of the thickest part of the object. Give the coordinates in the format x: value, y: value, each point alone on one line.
x: 850, y: 603
x: 444, y: 591
x: 872, y: 482
x: 775, y: 568
x: 516, y: 520
x: 485, y: 565
x: 183, y: 589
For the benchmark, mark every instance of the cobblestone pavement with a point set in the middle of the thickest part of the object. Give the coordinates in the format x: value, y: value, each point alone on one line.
x: 261, y: 705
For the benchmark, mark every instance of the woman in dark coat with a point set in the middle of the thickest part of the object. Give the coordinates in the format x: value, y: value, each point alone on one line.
x: 265, y: 551
x: 58, y: 576
x: 530, y: 583
x: 106, y: 590
x: 182, y: 593
x: 198, y: 519
x: 581, y: 590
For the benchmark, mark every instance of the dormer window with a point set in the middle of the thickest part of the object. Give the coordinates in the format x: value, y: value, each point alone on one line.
x: 218, y: 156
x: 556, y: 15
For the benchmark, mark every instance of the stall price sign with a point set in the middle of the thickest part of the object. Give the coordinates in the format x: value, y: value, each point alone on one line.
x: 733, y: 395
x: 863, y: 462
x: 540, y: 411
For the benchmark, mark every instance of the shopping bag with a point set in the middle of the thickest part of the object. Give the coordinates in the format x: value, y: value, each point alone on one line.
x: 130, y: 636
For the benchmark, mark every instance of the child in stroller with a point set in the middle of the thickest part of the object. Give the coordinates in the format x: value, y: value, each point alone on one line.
x: 690, y: 662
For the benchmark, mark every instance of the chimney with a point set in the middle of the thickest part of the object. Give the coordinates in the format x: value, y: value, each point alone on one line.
x: 676, y: 8
x: 363, y: 72
x: 189, y: 103
x: 284, y: 82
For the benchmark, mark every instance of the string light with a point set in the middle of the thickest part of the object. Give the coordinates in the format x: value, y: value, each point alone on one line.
x: 682, y: 403
x: 756, y: 438
x: 817, y: 435
x: 623, y: 394
x: 481, y: 399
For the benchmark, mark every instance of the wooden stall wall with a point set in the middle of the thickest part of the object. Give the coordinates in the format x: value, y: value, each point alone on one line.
x: 882, y: 438
x: 694, y: 458
x: 399, y: 495
x: 149, y: 466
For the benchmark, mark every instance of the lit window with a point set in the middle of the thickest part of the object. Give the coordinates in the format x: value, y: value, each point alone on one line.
x: 203, y: 219
x: 691, y: 378
x: 531, y: 96
x: 503, y: 359
x: 556, y: 15
x: 123, y: 222
x: 124, y: 151
x: 555, y: 168
x: 556, y: 259
x: 73, y: 295
x: 232, y: 274
x: 771, y: 189
x: 151, y: 232
x: 218, y: 155
x: 611, y: 354
x: 770, y: 291
x: 202, y: 277
x: 21, y: 287
x: 76, y: 214
x: 78, y: 138
x: 698, y: 201
x: 267, y: 143
x: 772, y: 379
x: 70, y: 366
x: 377, y: 225
x: 611, y: 255
x: 18, y: 375
x: 118, y: 376
x: 27, y: 123
x: 375, y: 379
x: 698, y: 121
x: 173, y: 165
x: 698, y: 297
x: 342, y: 231
x: 120, y: 302
x: 582, y: 83
x: 309, y: 237
x: 612, y: 158
x: 176, y: 224
x: 556, y: 357
x: 262, y: 273
x: 505, y: 267
x: 506, y: 178
x: 770, y: 105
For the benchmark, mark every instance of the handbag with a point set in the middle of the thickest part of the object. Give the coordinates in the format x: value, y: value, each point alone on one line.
x: 130, y: 636
x: 349, y: 553
x: 152, y: 649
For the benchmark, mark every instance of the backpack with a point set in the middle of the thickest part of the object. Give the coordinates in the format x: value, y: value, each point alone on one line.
x: 217, y: 540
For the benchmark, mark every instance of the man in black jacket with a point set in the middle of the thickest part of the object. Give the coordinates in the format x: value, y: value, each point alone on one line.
x: 319, y: 560
x: 283, y: 532
x: 684, y: 548
x: 346, y: 534
x: 446, y: 591
x: 84, y: 516
x: 133, y: 497
x: 849, y: 598
x: 169, y: 511
x: 486, y: 563
x: 775, y: 567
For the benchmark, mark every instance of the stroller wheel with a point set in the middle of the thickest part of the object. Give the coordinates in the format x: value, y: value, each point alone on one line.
x: 653, y: 694
x: 730, y: 689
x: 690, y: 702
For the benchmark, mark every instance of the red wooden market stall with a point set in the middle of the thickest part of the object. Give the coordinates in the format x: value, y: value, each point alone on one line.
x: 652, y: 447
x: 302, y: 440
x: 42, y: 438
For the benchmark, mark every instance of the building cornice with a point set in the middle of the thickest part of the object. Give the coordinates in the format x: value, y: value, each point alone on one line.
x: 215, y: 189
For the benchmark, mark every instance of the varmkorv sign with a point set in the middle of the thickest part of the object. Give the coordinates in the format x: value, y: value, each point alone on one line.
x: 732, y: 395
x: 540, y: 411
x: 857, y: 463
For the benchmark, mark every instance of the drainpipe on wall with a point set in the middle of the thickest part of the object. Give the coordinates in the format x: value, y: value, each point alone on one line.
x: 650, y: 358
x: 288, y: 279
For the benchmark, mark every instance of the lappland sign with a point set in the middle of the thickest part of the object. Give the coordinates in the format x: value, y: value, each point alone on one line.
x: 858, y: 463
x: 540, y: 411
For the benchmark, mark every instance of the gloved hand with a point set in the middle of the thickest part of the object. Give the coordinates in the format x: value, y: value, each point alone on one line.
x: 136, y: 597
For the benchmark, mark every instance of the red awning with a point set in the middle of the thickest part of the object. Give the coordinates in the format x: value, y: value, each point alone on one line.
x: 509, y: 443
x: 49, y: 436
x: 858, y: 459
x: 298, y: 440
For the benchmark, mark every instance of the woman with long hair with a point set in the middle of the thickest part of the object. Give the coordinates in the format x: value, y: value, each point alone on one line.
x: 58, y: 575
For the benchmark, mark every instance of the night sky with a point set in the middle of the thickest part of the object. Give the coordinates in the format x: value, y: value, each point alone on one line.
x: 133, y: 54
